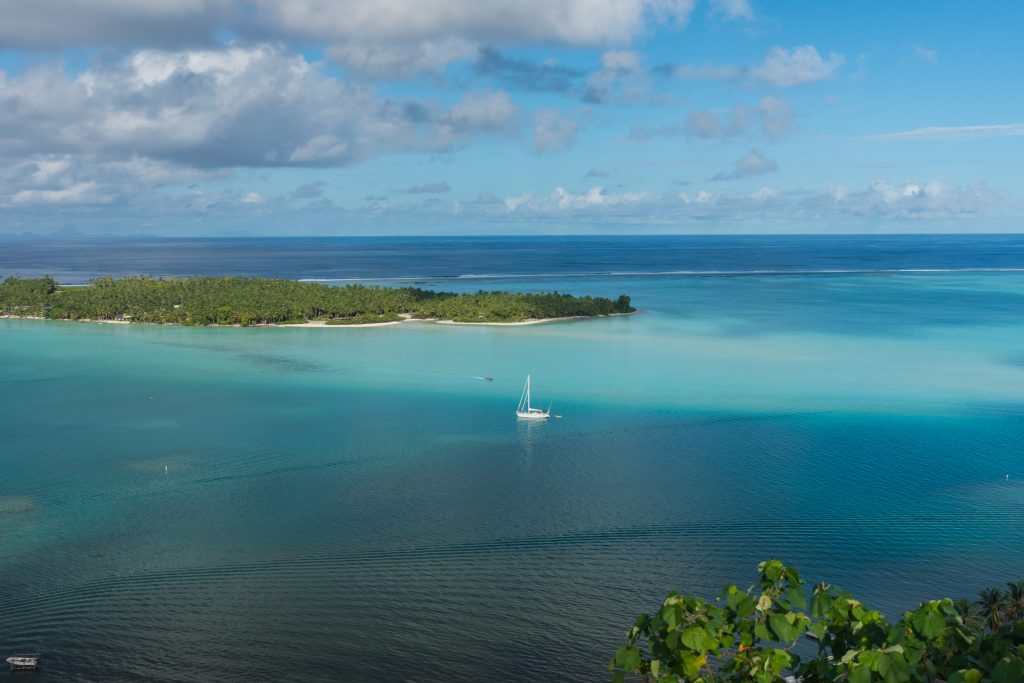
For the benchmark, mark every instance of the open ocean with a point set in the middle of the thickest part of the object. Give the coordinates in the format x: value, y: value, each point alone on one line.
x: 182, y: 504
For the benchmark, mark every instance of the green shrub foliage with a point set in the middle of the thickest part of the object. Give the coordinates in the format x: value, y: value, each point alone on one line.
x: 250, y: 301
x: 758, y: 635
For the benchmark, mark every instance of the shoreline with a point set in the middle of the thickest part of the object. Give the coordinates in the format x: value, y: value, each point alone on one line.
x: 534, y: 321
x: 319, y: 324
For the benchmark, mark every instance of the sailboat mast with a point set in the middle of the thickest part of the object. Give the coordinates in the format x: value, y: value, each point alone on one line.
x: 527, y: 393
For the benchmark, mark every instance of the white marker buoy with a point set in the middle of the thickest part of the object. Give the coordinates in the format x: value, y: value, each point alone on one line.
x: 165, y: 469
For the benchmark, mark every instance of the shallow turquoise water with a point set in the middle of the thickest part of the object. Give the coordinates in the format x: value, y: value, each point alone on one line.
x: 356, y: 497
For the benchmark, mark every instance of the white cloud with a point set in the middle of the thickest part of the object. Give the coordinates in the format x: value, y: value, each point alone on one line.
x: 401, y: 61
x: 237, y: 106
x: 776, y: 117
x: 561, y: 200
x: 880, y: 203
x: 571, y: 22
x: 732, y: 9
x: 155, y: 118
x: 711, y: 125
x: 797, y: 66
x: 772, y: 112
x: 253, y: 198
x: 395, y: 38
x: 882, y: 206
x: 763, y: 194
x: 553, y: 132
x: 753, y: 163
x: 402, y: 38
x: 481, y: 111
x: 781, y: 67
x: 621, y: 77
x: 953, y: 133
x: 64, y: 23
x: 79, y: 193
x: 913, y: 201
x: 78, y: 179
x: 513, y: 203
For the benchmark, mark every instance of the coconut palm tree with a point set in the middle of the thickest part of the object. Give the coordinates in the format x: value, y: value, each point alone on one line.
x: 1015, y: 601
x: 969, y: 613
x: 992, y: 605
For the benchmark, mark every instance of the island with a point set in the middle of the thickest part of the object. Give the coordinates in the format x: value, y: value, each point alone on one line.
x: 249, y: 301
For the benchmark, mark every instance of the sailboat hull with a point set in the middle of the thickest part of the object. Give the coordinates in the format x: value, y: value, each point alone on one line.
x: 527, y: 412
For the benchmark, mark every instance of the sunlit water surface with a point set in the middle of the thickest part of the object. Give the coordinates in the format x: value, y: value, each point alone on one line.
x: 356, y: 504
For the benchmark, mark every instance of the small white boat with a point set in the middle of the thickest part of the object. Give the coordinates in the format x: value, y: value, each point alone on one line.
x: 528, y: 412
x: 23, y: 662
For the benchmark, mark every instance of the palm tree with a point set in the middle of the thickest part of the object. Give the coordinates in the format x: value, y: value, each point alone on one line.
x: 969, y: 613
x: 992, y: 603
x: 1015, y: 601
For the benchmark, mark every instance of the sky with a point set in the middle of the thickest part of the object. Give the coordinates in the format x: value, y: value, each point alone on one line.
x: 478, y: 117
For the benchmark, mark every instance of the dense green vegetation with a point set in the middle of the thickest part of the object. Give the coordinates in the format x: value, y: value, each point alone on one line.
x: 251, y: 301
x: 753, y: 634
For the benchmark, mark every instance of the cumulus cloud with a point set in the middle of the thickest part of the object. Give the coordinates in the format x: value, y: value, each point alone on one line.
x: 886, y: 205
x: 55, y: 24
x: 915, y: 200
x: 621, y: 77
x: 238, y: 106
x: 405, y: 37
x: 797, y: 66
x: 753, y: 163
x: 481, y: 111
x: 773, y: 114
x: 553, y: 132
x: 398, y: 38
x: 79, y: 193
x: 400, y: 61
x: 571, y: 22
x: 881, y: 203
x: 711, y: 125
x: 42, y: 179
x: 563, y: 200
x: 781, y: 67
x: 776, y: 117
x: 154, y: 117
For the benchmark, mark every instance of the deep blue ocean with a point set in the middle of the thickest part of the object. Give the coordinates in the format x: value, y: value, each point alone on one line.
x: 227, y: 504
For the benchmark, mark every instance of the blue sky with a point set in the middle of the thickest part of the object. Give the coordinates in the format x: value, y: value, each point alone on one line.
x: 213, y: 117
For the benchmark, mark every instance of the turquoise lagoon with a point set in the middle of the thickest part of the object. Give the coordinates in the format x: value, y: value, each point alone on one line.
x: 188, y: 504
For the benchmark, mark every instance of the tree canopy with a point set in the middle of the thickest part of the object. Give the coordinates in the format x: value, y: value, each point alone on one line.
x: 753, y: 635
x: 254, y: 300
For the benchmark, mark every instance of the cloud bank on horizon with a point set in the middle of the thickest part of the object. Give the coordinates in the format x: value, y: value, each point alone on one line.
x: 477, y: 117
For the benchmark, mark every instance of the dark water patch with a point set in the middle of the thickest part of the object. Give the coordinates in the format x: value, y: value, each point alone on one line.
x: 432, y: 610
x: 277, y: 362
x: 16, y: 505
x: 78, y: 260
x: 796, y: 530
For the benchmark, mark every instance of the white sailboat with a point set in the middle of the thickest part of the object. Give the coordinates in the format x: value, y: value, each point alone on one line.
x: 525, y: 410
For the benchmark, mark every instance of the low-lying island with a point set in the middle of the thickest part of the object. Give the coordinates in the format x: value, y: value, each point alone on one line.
x: 249, y: 301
